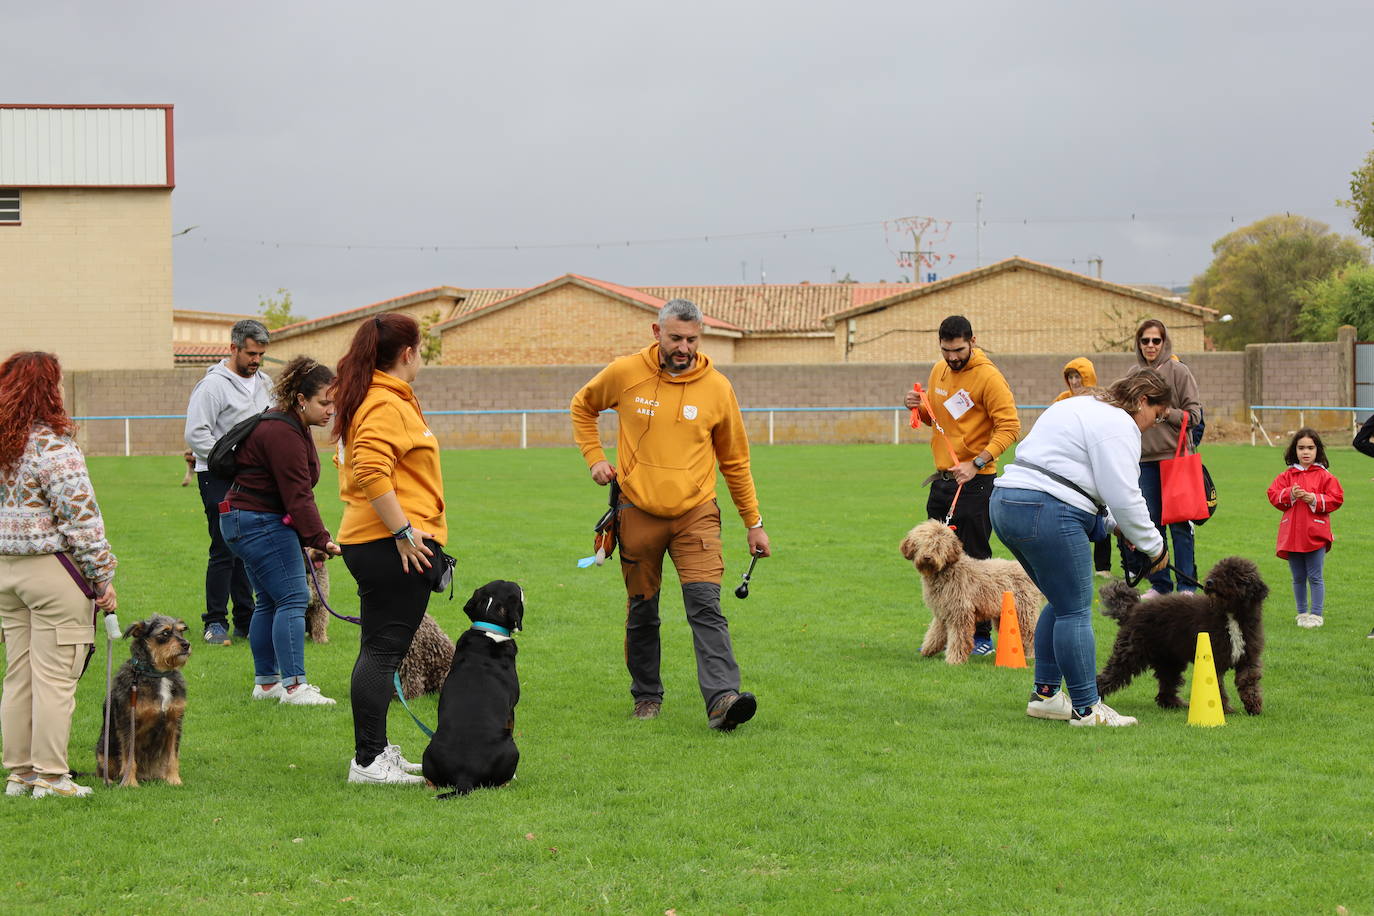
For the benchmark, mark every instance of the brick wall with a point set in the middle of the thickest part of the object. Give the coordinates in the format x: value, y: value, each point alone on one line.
x: 1035, y: 379
x: 799, y: 348
x: 88, y: 275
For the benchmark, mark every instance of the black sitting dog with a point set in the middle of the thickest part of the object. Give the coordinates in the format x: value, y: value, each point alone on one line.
x: 1162, y: 634
x: 473, y: 746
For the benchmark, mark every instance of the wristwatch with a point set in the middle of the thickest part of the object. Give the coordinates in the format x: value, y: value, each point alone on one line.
x: 979, y: 463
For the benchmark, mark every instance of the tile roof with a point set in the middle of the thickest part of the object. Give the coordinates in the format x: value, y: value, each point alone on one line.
x: 779, y: 307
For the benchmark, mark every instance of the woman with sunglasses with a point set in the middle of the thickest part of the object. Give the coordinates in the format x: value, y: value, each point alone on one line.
x: 1153, y: 350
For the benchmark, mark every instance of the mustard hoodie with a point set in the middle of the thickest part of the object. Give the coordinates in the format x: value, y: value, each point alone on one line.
x: 389, y: 447
x: 673, y: 431
x: 991, y: 423
x: 1086, y: 371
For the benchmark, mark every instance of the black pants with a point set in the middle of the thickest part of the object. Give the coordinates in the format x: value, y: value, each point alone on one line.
x: 972, y: 521
x: 226, y: 578
x: 393, y: 604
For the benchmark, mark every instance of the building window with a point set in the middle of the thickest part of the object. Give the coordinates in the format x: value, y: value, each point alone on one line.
x: 9, y: 206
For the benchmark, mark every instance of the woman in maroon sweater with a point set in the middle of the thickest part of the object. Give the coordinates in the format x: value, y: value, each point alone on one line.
x: 266, y: 518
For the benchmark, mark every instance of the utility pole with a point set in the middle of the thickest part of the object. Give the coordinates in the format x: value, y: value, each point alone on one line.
x: 916, y: 255
x: 978, y: 231
x: 1098, y: 262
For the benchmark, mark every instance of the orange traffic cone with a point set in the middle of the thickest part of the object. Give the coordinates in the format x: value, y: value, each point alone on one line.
x: 1204, y: 704
x: 1010, y: 651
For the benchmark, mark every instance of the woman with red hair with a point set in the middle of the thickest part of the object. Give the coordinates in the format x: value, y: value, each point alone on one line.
x: 51, y: 536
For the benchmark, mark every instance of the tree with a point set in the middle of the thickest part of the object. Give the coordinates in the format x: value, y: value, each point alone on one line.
x: 1345, y: 297
x: 1362, y: 197
x: 276, y: 312
x: 431, y: 344
x: 1257, y: 271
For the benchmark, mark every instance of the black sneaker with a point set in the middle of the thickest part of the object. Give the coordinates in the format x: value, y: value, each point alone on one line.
x: 240, y: 633
x: 731, y: 710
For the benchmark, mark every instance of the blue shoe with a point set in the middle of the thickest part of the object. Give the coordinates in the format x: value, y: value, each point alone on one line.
x: 217, y: 635
x: 982, y: 645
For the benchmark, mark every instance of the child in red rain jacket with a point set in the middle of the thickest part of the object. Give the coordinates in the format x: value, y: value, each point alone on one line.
x: 1307, y: 493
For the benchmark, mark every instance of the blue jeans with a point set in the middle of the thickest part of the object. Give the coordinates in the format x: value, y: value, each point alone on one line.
x: 1049, y: 539
x: 271, y: 553
x: 1180, y: 533
x: 1307, y: 568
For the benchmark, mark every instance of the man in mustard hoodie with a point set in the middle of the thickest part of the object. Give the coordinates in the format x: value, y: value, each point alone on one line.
x: 678, y: 419
x: 974, y: 405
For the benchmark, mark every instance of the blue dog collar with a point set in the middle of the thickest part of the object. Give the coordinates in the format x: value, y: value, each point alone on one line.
x: 483, y: 625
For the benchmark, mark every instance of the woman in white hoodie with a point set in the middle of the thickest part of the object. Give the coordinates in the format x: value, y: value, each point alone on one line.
x: 1082, y: 454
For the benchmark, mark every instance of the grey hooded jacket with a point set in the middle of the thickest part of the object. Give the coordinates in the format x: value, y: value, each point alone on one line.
x: 218, y: 401
x: 1161, y: 440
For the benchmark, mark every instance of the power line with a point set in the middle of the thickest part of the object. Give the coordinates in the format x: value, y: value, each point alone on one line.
x: 707, y: 238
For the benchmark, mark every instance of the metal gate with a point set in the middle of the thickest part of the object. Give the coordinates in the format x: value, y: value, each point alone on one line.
x: 1364, y: 380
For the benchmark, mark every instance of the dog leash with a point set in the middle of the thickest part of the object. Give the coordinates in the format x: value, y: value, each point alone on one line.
x: 915, y: 424
x: 396, y: 680
x: 319, y: 592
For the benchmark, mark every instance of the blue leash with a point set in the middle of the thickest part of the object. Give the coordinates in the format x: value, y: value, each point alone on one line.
x: 396, y: 680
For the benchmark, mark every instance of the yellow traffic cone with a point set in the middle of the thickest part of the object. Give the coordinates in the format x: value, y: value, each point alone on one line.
x: 1010, y: 652
x: 1204, y: 704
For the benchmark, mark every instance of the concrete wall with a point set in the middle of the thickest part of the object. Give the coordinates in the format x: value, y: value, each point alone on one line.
x: 88, y: 275
x: 1223, y: 378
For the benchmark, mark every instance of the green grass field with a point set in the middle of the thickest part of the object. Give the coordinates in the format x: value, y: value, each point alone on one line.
x: 870, y: 781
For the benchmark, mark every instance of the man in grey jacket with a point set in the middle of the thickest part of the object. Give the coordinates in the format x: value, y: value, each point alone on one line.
x: 232, y: 390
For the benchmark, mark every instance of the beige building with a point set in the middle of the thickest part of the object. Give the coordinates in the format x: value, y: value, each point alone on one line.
x: 326, y: 339
x: 571, y: 321
x: 1015, y: 306
x: 86, y: 233
x: 202, y: 338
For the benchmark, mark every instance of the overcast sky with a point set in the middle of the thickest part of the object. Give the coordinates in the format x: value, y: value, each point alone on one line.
x: 330, y: 148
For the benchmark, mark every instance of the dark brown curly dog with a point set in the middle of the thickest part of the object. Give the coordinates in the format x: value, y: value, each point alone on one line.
x: 1162, y: 634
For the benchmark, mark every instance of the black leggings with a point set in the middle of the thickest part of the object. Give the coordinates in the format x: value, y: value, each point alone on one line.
x: 393, y: 604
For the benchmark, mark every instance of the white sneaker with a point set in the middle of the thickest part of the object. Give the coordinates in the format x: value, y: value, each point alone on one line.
x: 1054, y: 707
x: 275, y: 692
x: 1102, y: 714
x: 305, y: 695
x: 1315, y: 620
x: 61, y: 786
x: 19, y: 785
x: 381, y: 771
x: 1301, y: 619
x: 393, y: 751
x: 1151, y: 593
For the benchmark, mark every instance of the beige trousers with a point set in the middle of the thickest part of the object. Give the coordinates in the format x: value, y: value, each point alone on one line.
x: 48, y: 629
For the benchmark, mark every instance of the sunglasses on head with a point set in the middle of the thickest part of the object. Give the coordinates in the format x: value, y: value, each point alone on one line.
x: 1152, y: 340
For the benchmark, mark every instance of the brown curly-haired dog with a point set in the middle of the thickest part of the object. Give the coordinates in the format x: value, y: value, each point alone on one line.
x: 1162, y: 633
x: 960, y: 591
x: 316, y: 617
x: 427, y: 661
x: 147, y: 702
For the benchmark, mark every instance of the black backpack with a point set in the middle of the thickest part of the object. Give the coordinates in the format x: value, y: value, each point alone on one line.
x: 223, y: 460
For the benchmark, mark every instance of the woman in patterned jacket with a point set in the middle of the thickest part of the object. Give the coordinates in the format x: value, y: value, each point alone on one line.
x: 47, y: 508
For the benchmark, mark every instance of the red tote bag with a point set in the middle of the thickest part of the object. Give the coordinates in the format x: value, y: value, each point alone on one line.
x: 1183, y: 497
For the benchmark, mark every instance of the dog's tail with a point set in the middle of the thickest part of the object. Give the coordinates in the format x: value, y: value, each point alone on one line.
x: 1117, y: 599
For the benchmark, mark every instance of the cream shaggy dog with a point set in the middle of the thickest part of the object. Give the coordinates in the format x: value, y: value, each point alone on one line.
x: 961, y: 591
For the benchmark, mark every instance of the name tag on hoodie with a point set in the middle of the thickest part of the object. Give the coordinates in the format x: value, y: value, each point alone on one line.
x: 959, y: 403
